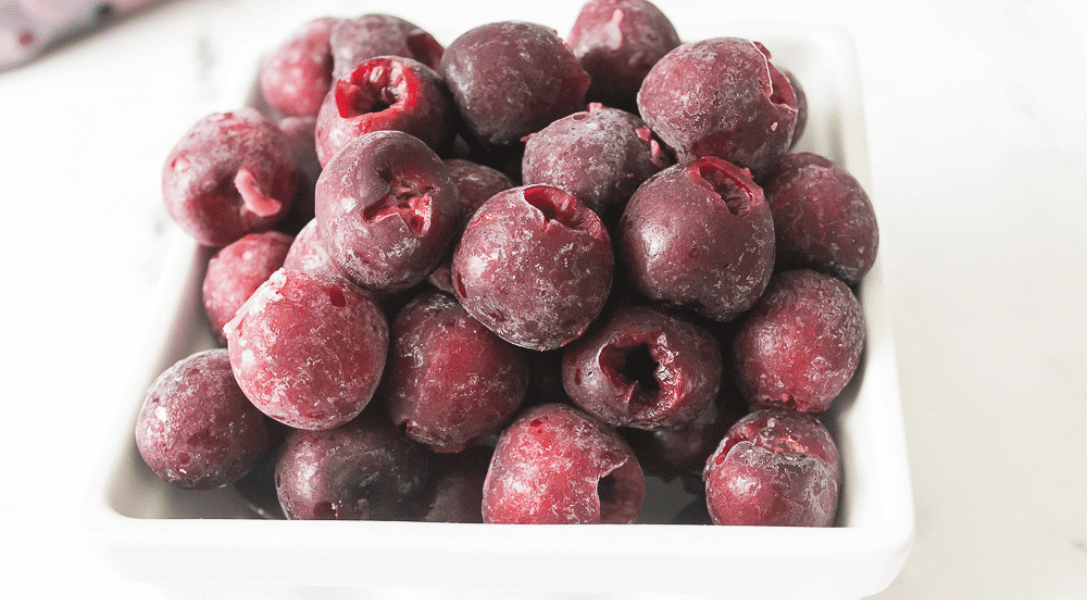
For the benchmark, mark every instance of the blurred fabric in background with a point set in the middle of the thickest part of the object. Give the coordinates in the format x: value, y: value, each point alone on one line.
x: 30, y: 27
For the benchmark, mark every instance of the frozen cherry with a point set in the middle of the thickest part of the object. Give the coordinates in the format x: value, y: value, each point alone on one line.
x: 441, y: 277
x: 801, y: 106
x: 300, y: 136
x: 600, y: 156
x: 300, y: 132
x: 823, y: 219
x: 450, y: 380
x: 644, y: 368
x: 196, y: 429
x: 231, y: 174
x: 307, y: 350
x: 774, y: 467
x: 295, y: 77
x: 476, y: 184
x: 363, y: 470
x: 454, y: 491
x: 617, y: 42
x: 236, y: 271
x: 510, y: 79
x: 682, y: 452
x: 556, y: 464
x: 699, y: 235
x: 382, y: 93
x: 784, y: 431
x: 534, y: 266
x: 356, y: 40
x: 387, y: 210
x: 800, y: 344
x: 307, y: 253
x: 721, y: 97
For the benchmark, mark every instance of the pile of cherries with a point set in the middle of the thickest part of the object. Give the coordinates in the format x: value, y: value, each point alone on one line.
x: 505, y: 280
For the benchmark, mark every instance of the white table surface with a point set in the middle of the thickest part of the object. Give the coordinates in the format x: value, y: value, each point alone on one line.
x: 978, y: 143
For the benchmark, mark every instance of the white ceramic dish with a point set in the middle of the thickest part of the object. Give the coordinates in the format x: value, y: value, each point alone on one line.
x: 153, y: 532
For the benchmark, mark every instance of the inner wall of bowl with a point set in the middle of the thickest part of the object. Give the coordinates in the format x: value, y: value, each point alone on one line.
x: 135, y: 491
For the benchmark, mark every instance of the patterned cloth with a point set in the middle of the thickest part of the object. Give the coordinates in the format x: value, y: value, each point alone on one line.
x: 28, y: 27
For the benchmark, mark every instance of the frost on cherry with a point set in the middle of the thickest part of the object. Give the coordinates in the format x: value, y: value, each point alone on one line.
x: 508, y: 280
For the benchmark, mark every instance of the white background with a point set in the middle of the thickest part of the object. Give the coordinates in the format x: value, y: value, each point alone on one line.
x: 978, y: 139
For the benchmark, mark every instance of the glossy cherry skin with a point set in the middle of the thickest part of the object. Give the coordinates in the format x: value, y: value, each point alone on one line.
x: 236, y: 271
x: 385, y: 93
x: 363, y: 470
x: 196, y: 429
x: 359, y: 39
x: 556, y: 464
x: 800, y: 344
x: 774, y: 467
x: 682, y: 452
x: 721, y: 97
x: 699, y: 235
x: 387, y: 210
x: 307, y: 253
x: 450, y: 380
x: 307, y: 350
x: 231, y: 174
x: 600, y: 155
x: 534, y: 266
x: 300, y: 137
x: 823, y: 219
x: 296, y: 75
x: 801, y: 106
x: 617, y: 42
x: 512, y: 78
x: 476, y: 183
x: 644, y: 368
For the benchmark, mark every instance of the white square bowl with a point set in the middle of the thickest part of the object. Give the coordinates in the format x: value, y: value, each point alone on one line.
x: 154, y: 533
